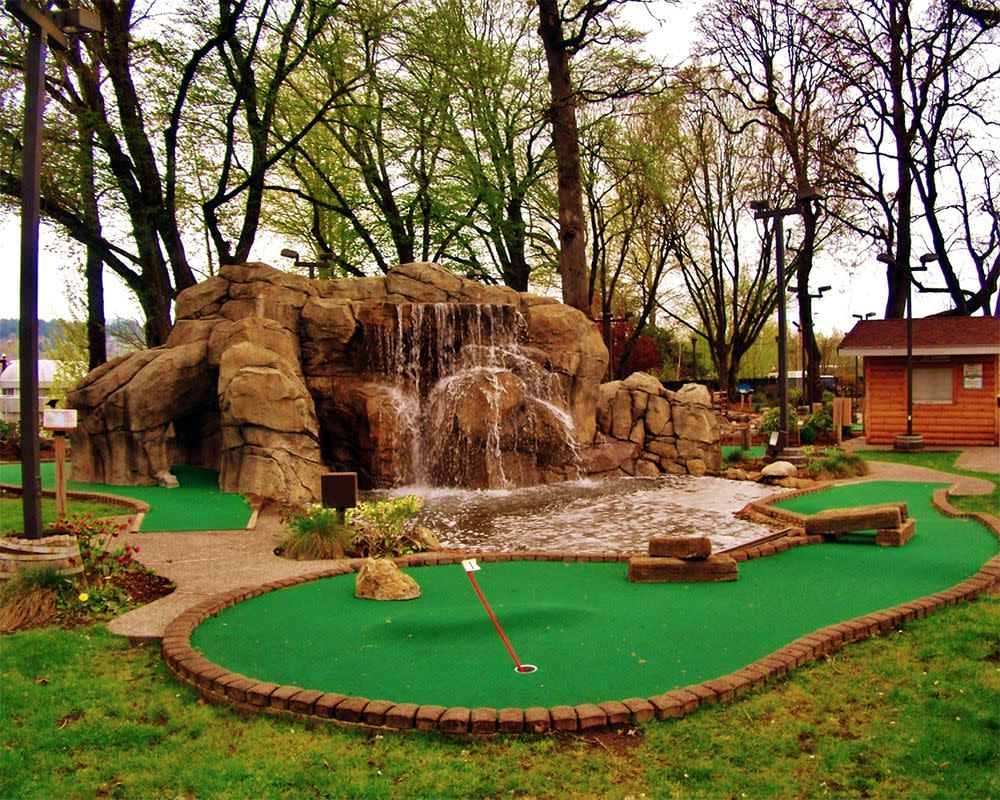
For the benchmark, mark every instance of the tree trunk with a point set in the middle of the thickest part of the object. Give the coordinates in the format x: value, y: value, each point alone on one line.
x: 572, y: 238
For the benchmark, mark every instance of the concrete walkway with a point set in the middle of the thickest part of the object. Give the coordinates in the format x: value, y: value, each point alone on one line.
x: 203, y: 564
x: 974, y: 459
x: 206, y: 563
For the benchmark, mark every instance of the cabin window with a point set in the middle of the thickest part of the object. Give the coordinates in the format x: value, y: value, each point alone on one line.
x: 932, y: 385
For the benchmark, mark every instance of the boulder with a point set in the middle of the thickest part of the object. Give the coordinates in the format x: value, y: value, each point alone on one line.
x: 381, y: 579
x: 779, y: 469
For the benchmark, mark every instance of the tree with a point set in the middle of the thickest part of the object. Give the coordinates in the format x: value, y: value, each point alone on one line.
x: 210, y: 77
x: 767, y: 63
x: 565, y: 31
x: 919, y: 79
x: 729, y: 283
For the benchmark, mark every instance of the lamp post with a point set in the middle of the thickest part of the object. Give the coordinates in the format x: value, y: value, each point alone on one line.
x: 324, y: 258
x: 909, y: 441
x: 761, y: 211
x: 43, y: 30
x: 857, y: 377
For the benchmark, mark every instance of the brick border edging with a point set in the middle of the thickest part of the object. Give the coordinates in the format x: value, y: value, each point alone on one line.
x: 219, y: 685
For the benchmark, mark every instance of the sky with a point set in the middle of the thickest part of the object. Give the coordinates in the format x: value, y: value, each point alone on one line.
x: 855, y: 289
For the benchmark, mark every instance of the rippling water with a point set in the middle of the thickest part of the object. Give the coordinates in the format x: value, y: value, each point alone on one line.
x: 619, y: 514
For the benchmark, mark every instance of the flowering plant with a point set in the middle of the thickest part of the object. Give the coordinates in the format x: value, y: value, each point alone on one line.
x: 386, y: 524
x: 95, y: 537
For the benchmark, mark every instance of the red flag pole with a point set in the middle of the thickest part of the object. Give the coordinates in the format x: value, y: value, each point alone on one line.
x: 471, y: 566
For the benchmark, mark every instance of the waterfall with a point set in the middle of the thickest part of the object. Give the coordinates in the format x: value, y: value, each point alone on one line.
x: 473, y: 406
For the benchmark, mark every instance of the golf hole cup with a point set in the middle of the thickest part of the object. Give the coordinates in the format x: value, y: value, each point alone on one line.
x: 523, y: 669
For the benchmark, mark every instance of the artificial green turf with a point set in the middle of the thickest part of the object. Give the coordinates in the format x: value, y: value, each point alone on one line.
x: 593, y: 635
x: 756, y: 451
x: 196, y: 505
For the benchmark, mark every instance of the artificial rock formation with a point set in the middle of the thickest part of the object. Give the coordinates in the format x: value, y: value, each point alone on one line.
x: 381, y: 579
x: 419, y: 375
x: 647, y: 430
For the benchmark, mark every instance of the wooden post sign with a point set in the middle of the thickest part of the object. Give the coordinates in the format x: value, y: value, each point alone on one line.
x: 60, y: 421
x: 339, y: 490
x: 841, y: 416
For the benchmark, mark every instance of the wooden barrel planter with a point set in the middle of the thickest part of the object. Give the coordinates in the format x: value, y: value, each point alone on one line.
x: 61, y: 552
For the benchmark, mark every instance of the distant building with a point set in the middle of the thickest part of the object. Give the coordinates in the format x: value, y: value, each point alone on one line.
x: 956, y: 378
x: 10, y: 387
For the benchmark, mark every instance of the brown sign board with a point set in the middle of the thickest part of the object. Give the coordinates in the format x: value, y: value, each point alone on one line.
x: 339, y: 489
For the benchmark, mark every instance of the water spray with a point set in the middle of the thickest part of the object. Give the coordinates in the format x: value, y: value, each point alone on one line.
x: 470, y: 566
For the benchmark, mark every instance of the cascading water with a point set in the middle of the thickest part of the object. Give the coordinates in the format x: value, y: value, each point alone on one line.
x: 475, y: 407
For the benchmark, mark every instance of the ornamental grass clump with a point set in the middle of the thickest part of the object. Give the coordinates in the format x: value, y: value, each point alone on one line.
x: 30, y: 597
x: 317, y: 533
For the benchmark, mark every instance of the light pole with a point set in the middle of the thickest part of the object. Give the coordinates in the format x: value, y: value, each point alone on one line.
x: 42, y: 31
x: 761, y: 211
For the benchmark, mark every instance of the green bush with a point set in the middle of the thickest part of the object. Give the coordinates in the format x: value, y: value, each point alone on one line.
x: 10, y: 433
x: 769, y: 422
x: 816, y: 426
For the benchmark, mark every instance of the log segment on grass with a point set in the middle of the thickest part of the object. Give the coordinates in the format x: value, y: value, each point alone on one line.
x: 896, y: 537
x: 655, y: 569
x: 836, y: 521
x: 687, y: 547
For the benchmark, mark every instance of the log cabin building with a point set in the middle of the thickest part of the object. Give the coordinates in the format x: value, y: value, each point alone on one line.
x: 956, y: 386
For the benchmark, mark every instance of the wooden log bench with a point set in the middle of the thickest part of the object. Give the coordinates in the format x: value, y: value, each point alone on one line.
x: 681, y: 559
x: 890, y: 521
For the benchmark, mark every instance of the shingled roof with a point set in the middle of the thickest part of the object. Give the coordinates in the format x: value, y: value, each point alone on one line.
x: 932, y: 336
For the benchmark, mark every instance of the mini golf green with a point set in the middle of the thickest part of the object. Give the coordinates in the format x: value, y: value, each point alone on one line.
x: 196, y: 505
x: 593, y: 635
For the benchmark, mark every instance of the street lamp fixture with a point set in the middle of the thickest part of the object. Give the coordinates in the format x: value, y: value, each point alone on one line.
x: 43, y: 30
x: 324, y: 258
x: 762, y: 211
x: 857, y: 375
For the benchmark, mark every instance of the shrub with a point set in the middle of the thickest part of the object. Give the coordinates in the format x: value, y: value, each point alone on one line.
x: 317, y: 533
x: 385, y: 523
x: 816, y: 426
x: 769, y: 422
x: 10, y: 436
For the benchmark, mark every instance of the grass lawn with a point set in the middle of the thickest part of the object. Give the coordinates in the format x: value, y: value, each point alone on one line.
x: 11, y: 511
x: 910, y: 714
